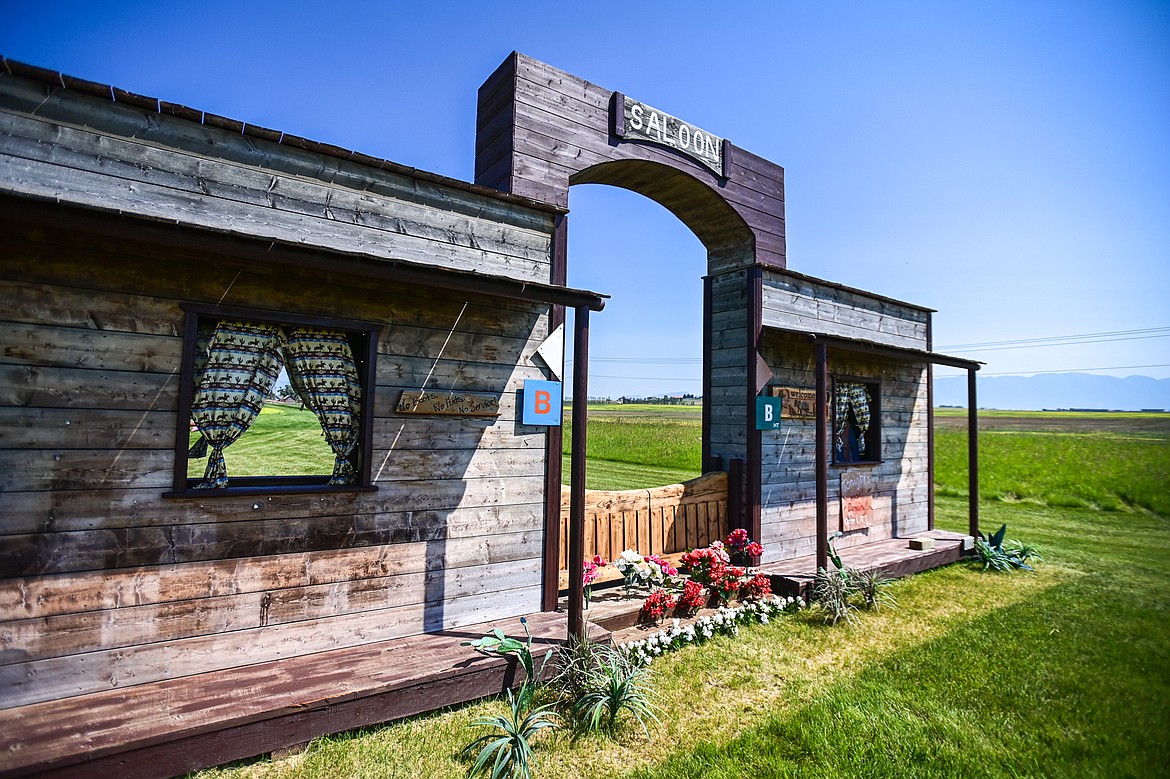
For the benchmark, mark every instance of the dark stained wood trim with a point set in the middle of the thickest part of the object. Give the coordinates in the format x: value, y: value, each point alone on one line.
x: 972, y: 453
x: 708, y: 313
x: 754, y: 437
x: 577, y: 480
x: 554, y: 442
x: 822, y: 454
x: 19, y: 211
x: 930, y: 444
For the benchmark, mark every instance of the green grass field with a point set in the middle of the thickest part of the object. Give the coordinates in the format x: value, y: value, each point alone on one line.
x: 282, y: 441
x: 1061, y: 673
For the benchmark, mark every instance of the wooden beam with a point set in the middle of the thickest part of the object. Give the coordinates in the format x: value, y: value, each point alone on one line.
x: 577, y: 485
x: 822, y: 457
x: 554, y: 441
x: 972, y: 454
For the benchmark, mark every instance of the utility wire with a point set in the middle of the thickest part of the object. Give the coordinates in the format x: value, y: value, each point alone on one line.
x: 1062, y: 370
x: 1060, y: 340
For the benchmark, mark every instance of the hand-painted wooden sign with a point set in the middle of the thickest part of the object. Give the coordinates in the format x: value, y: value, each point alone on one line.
x: 856, y: 500
x: 465, y: 404
x: 638, y: 121
x: 798, y: 403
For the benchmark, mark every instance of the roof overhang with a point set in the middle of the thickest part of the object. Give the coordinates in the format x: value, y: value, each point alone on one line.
x: 881, y: 350
x: 33, y: 211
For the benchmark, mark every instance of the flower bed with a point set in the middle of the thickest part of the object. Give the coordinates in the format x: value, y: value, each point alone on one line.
x: 725, y: 621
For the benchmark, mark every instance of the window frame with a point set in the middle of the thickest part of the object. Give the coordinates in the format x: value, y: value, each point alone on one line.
x: 873, y: 434
x: 184, y: 487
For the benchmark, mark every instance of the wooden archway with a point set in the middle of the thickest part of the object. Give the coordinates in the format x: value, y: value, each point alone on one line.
x: 540, y: 130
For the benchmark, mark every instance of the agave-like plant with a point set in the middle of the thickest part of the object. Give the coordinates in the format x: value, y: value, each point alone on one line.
x: 507, y: 749
x: 873, y: 587
x: 617, y: 686
x: 995, y: 556
x: 497, y: 643
x: 832, y: 591
x: 576, y: 665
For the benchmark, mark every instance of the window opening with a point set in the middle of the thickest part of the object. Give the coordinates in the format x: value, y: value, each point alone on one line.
x: 237, y: 365
x: 856, y: 409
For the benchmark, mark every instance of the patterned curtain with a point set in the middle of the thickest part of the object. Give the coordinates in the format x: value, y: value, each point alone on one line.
x: 322, y: 371
x: 850, y: 395
x: 242, y: 363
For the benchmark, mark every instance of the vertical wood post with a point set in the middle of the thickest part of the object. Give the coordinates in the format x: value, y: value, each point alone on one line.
x: 708, y: 339
x: 822, y: 384
x: 735, y: 497
x: 577, y: 478
x: 972, y: 454
x: 755, y: 439
x: 554, y: 443
x: 930, y: 445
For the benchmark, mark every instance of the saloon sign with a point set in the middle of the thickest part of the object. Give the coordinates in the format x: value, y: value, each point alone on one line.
x: 637, y: 121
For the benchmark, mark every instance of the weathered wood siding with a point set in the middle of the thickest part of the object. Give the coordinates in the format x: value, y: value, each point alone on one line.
x: 64, y: 145
x: 103, y: 582
x: 901, y: 483
x: 540, y: 129
x: 799, y: 303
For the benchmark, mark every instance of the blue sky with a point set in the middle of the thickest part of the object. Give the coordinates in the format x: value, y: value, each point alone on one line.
x: 1007, y: 163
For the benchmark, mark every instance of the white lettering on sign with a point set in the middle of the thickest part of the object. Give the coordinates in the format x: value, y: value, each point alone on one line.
x: 638, y: 121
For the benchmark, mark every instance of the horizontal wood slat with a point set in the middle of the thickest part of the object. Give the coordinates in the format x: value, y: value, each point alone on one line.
x: 663, y: 521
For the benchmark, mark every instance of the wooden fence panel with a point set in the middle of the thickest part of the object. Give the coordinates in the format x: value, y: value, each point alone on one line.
x: 664, y: 521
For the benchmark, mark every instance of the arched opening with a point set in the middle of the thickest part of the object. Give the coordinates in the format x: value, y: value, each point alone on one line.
x: 649, y: 344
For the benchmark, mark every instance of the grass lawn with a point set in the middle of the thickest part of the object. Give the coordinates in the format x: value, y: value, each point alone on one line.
x: 1065, y: 672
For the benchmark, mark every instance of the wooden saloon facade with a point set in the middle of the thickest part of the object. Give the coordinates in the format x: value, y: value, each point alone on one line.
x: 160, y: 266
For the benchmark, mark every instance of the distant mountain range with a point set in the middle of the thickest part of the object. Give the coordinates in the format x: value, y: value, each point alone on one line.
x: 1057, y: 390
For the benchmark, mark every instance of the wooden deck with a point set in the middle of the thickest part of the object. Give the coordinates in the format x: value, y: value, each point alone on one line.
x: 893, y: 556
x: 167, y: 728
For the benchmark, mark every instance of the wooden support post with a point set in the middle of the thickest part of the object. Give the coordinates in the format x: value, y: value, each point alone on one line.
x: 930, y: 445
x: 577, y: 478
x: 736, y: 507
x: 972, y: 454
x: 822, y: 385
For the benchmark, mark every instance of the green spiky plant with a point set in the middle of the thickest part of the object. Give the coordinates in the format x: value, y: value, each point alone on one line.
x: 832, y: 593
x: 833, y: 589
x: 507, y: 749
x: 995, y: 556
x: 576, y: 664
x: 874, y: 588
x: 498, y: 643
x: 616, y: 686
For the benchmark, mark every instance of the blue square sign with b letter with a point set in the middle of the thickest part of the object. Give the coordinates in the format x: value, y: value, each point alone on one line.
x: 542, y: 403
x: 768, y: 413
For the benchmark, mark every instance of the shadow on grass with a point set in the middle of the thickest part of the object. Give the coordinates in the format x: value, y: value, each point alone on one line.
x: 1073, y: 682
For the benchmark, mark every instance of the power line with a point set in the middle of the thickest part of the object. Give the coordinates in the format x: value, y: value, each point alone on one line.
x: 1060, y: 340
x: 1062, y: 370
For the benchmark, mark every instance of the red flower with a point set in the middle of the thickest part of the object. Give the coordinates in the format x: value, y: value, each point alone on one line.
x: 757, y: 588
x: 657, y: 604
x: 693, y: 597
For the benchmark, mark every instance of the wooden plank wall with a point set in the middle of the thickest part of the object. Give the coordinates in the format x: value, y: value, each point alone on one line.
x: 727, y: 393
x: 105, y: 584
x: 663, y: 521
x: 71, y: 147
x: 901, y: 481
x: 796, y: 302
x: 540, y: 129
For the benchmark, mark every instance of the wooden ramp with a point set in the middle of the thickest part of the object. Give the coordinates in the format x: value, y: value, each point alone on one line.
x: 167, y: 728
x: 894, y: 556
